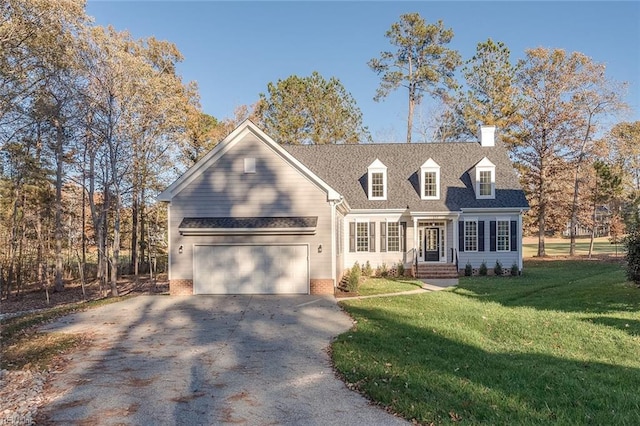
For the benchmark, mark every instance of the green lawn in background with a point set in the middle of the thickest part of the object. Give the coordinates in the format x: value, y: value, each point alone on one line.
x: 559, y: 345
x: 560, y: 247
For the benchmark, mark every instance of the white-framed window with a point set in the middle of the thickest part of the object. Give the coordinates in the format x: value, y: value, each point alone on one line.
x: 377, y: 185
x: 362, y: 236
x: 430, y: 180
x: 393, y: 236
x: 485, y: 183
x: 249, y: 165
x: 377, y: 178
x: 470, y: 235
x: 485, y: 179
x: 503, y: 237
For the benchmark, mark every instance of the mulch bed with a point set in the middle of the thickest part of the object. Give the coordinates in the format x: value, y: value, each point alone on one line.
x: 72, y: 293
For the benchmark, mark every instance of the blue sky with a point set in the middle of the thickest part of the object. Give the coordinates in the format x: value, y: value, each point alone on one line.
x: 233, y: 49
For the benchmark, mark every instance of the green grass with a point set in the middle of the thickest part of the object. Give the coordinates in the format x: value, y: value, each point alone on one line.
x: 559, y: 345
x: 560, y: 247
x: 23, y: 347
x: 373, y: 286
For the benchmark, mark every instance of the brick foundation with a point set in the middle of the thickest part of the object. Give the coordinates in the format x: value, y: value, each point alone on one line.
x: 321, y: 286
x: 181, y: 287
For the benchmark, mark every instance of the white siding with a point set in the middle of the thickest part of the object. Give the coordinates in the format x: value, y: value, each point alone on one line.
x: 275, y: 189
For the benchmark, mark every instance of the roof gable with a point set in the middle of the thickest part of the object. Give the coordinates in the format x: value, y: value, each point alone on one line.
x: 243, y: 130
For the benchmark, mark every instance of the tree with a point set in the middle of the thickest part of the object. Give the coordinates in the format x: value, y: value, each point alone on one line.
x: 421, y: 63
x: 545, y: 81
x: 490, y: 97
x: 608, y: 186
x: 311, y: 110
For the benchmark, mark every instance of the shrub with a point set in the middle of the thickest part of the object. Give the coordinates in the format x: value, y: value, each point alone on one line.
x: 367, y: 270
x: 515, y: 270
x: 483, y: 268
x: 382, y: 271
x: 497, y: 268
x: 468, y: 270
x: 353, y: 282
x: 632, y: 243
x: 400, y: 269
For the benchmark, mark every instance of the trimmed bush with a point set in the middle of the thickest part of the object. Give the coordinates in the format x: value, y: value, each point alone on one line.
x: 483, y: 268
x: 382, y: 271
x: 400, y: 269
x: 515, y: 270
x: 468, y: 270
x: 497, y: 268
x: 367, y: 270
x: 353, y: 283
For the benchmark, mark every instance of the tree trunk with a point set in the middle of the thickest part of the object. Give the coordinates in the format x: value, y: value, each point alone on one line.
x: 573, y: 223
x: 59, y: 283
x: 134, y: 232
x: 410, y: 116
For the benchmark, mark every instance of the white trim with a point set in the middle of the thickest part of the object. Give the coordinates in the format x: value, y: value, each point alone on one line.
x: 508, y: 220
x: 464, y: 236
x: 244, y: 129
x: 429, y: 166
x: 247, y: 231
x: 377, y: 167
x: 169, y: 239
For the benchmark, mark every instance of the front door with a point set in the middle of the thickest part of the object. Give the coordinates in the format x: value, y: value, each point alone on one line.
x: 432, y: 244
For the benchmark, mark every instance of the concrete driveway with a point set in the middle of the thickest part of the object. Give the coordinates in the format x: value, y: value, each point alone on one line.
x: 205, y: 360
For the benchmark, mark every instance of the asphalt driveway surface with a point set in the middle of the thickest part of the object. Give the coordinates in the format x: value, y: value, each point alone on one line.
x: 206, y: 360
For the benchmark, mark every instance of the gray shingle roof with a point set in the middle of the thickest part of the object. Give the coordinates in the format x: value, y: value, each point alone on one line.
x: 248, y: 222
x: 344, y: 167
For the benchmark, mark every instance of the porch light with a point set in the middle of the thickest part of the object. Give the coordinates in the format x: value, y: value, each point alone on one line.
x: 320, y: 248
x: 180, y: 249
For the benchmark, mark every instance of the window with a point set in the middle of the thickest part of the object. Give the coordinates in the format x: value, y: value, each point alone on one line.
x: 377, y: 178
x: 485, y: 179
x: 470, y: 235
x: 393, y: 236
x: 430, y: 180
x: 503, y: 235
x: 377, y: 185
x: 430, y: 188
x: 362, y: 236
x: 485, y: 183
x: 249, y: 165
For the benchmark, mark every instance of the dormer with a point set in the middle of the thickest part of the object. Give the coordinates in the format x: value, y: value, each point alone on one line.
x: 377, y: 181
x: 483, y: 176
x: 430, y: 180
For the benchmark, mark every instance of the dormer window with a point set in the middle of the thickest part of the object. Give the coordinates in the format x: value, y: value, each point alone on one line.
x: 485, y: 179
x: 430, y: 180
x: 377, y: 178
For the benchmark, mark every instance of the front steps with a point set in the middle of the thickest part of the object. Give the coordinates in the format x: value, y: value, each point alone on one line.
x: 440, y: 271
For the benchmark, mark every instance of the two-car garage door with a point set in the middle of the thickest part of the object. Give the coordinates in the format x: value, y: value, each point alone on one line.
x: 251, y: 269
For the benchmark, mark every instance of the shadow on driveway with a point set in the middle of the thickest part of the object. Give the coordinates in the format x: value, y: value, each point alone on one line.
x: 207, y: 360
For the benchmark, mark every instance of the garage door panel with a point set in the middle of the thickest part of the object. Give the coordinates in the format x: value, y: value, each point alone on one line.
x: 251, y: 269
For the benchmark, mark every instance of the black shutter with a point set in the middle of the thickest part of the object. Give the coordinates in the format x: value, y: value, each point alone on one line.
x: 514, y: 235
x: 492, y: 235
x: 352, y: 236
x: 403, y: 236
x: 372, y: 236
x: 461, y: 235
x: 481, y: 235
x: 383, y: 236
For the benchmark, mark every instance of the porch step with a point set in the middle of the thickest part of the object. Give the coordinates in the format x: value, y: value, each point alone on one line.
x: 437, y: 270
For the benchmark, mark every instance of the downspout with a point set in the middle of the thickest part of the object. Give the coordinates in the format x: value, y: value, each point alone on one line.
x: 521, y: 248
x: 334, y: 243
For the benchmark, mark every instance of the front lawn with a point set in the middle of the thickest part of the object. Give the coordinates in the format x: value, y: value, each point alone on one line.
x: 378, y: 285
x: 560, y: 344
